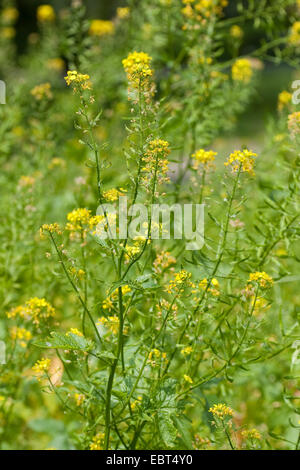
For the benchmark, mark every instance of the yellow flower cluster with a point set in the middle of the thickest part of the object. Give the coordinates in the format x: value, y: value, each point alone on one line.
x: 111, y: 323
x: 78, y: 80
x: 214, y: 290
x: 251, y: 434
x: 101, y: 28
x: 77, y: 219
x: 156, y: 161
x: 242, y: 160
x: 123, y: 12
x: 242, y: 71
x: 186, y: 351
x: 294, y: 123
x: 74, y: 331
x: 97, y: 442
x: 203, y: 9
x: 156, y: 355
x: 180, y: 281
x: 294, y: 37
x: 45, y: 14
x: 113, y: 194
x: 50, y: 228
x: 221, y: 411
x: 41, y: 366
x: 131, y: 251
x: 204, y: 158
x: 158, y: 147
x: 42, y: 92
x: 35, y: 309
x: 26, y: 181
x: 284, y: 99
x: 262, y: 278
x: 163, y: 261
x: 20, y: 334
x: 108, y: 303
x: 137, y: 68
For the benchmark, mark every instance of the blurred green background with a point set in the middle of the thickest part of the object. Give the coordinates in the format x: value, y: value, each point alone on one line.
x: 273, y: 79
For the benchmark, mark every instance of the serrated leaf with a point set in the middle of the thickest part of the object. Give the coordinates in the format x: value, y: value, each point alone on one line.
x: 60, y: 341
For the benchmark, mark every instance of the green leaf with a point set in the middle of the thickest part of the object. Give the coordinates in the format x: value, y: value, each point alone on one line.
x: 167, y: 429
x: 60, y: 341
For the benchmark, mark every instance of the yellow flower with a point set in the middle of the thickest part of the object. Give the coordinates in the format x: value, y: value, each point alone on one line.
x: 74, y: 331
x: 242, y: 160
x: 156, y: 162
x: 158, y: 147
x: 101, y: 28
x: 260, y: 305
x: 41, y: 366
x: 26, y: 181
x: 137, y: 67
x: 294, y: 37
x: 10, y: 15
x: 50, y: 228
x: 108, y: 303
x: 284, y: 99
x: 35, y: 309
x: 242, y: 70
x: 111, y: 323
x: 97, y: 442
x: 45, y: 13
x: 78, y: 79
x: 187, y: 351
x: 42, y: 91
x: 204, y: 158
x: 188, y: 379
x: 262, y: 278
x: 113, y: 194
x: 56, y: 64
x: 214, y: 290
x: 56, y: 162
x: 180, y: 281
x: 236, y: 32
x: 123, y: 12
x: 77, y: 219
x: 8, y: 32
x: 21, y: 334
x: 162, y: 261
x: 251, y: 434
x: 294, y: 123
x: 77, y: 273
x: 136, y: 403
x: 79, y: 398
x: 203, y: 9
x: 154, y: 355
x: 221, y: 411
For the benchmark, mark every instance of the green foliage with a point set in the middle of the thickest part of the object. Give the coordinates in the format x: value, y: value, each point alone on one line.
x: 141, y: 343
